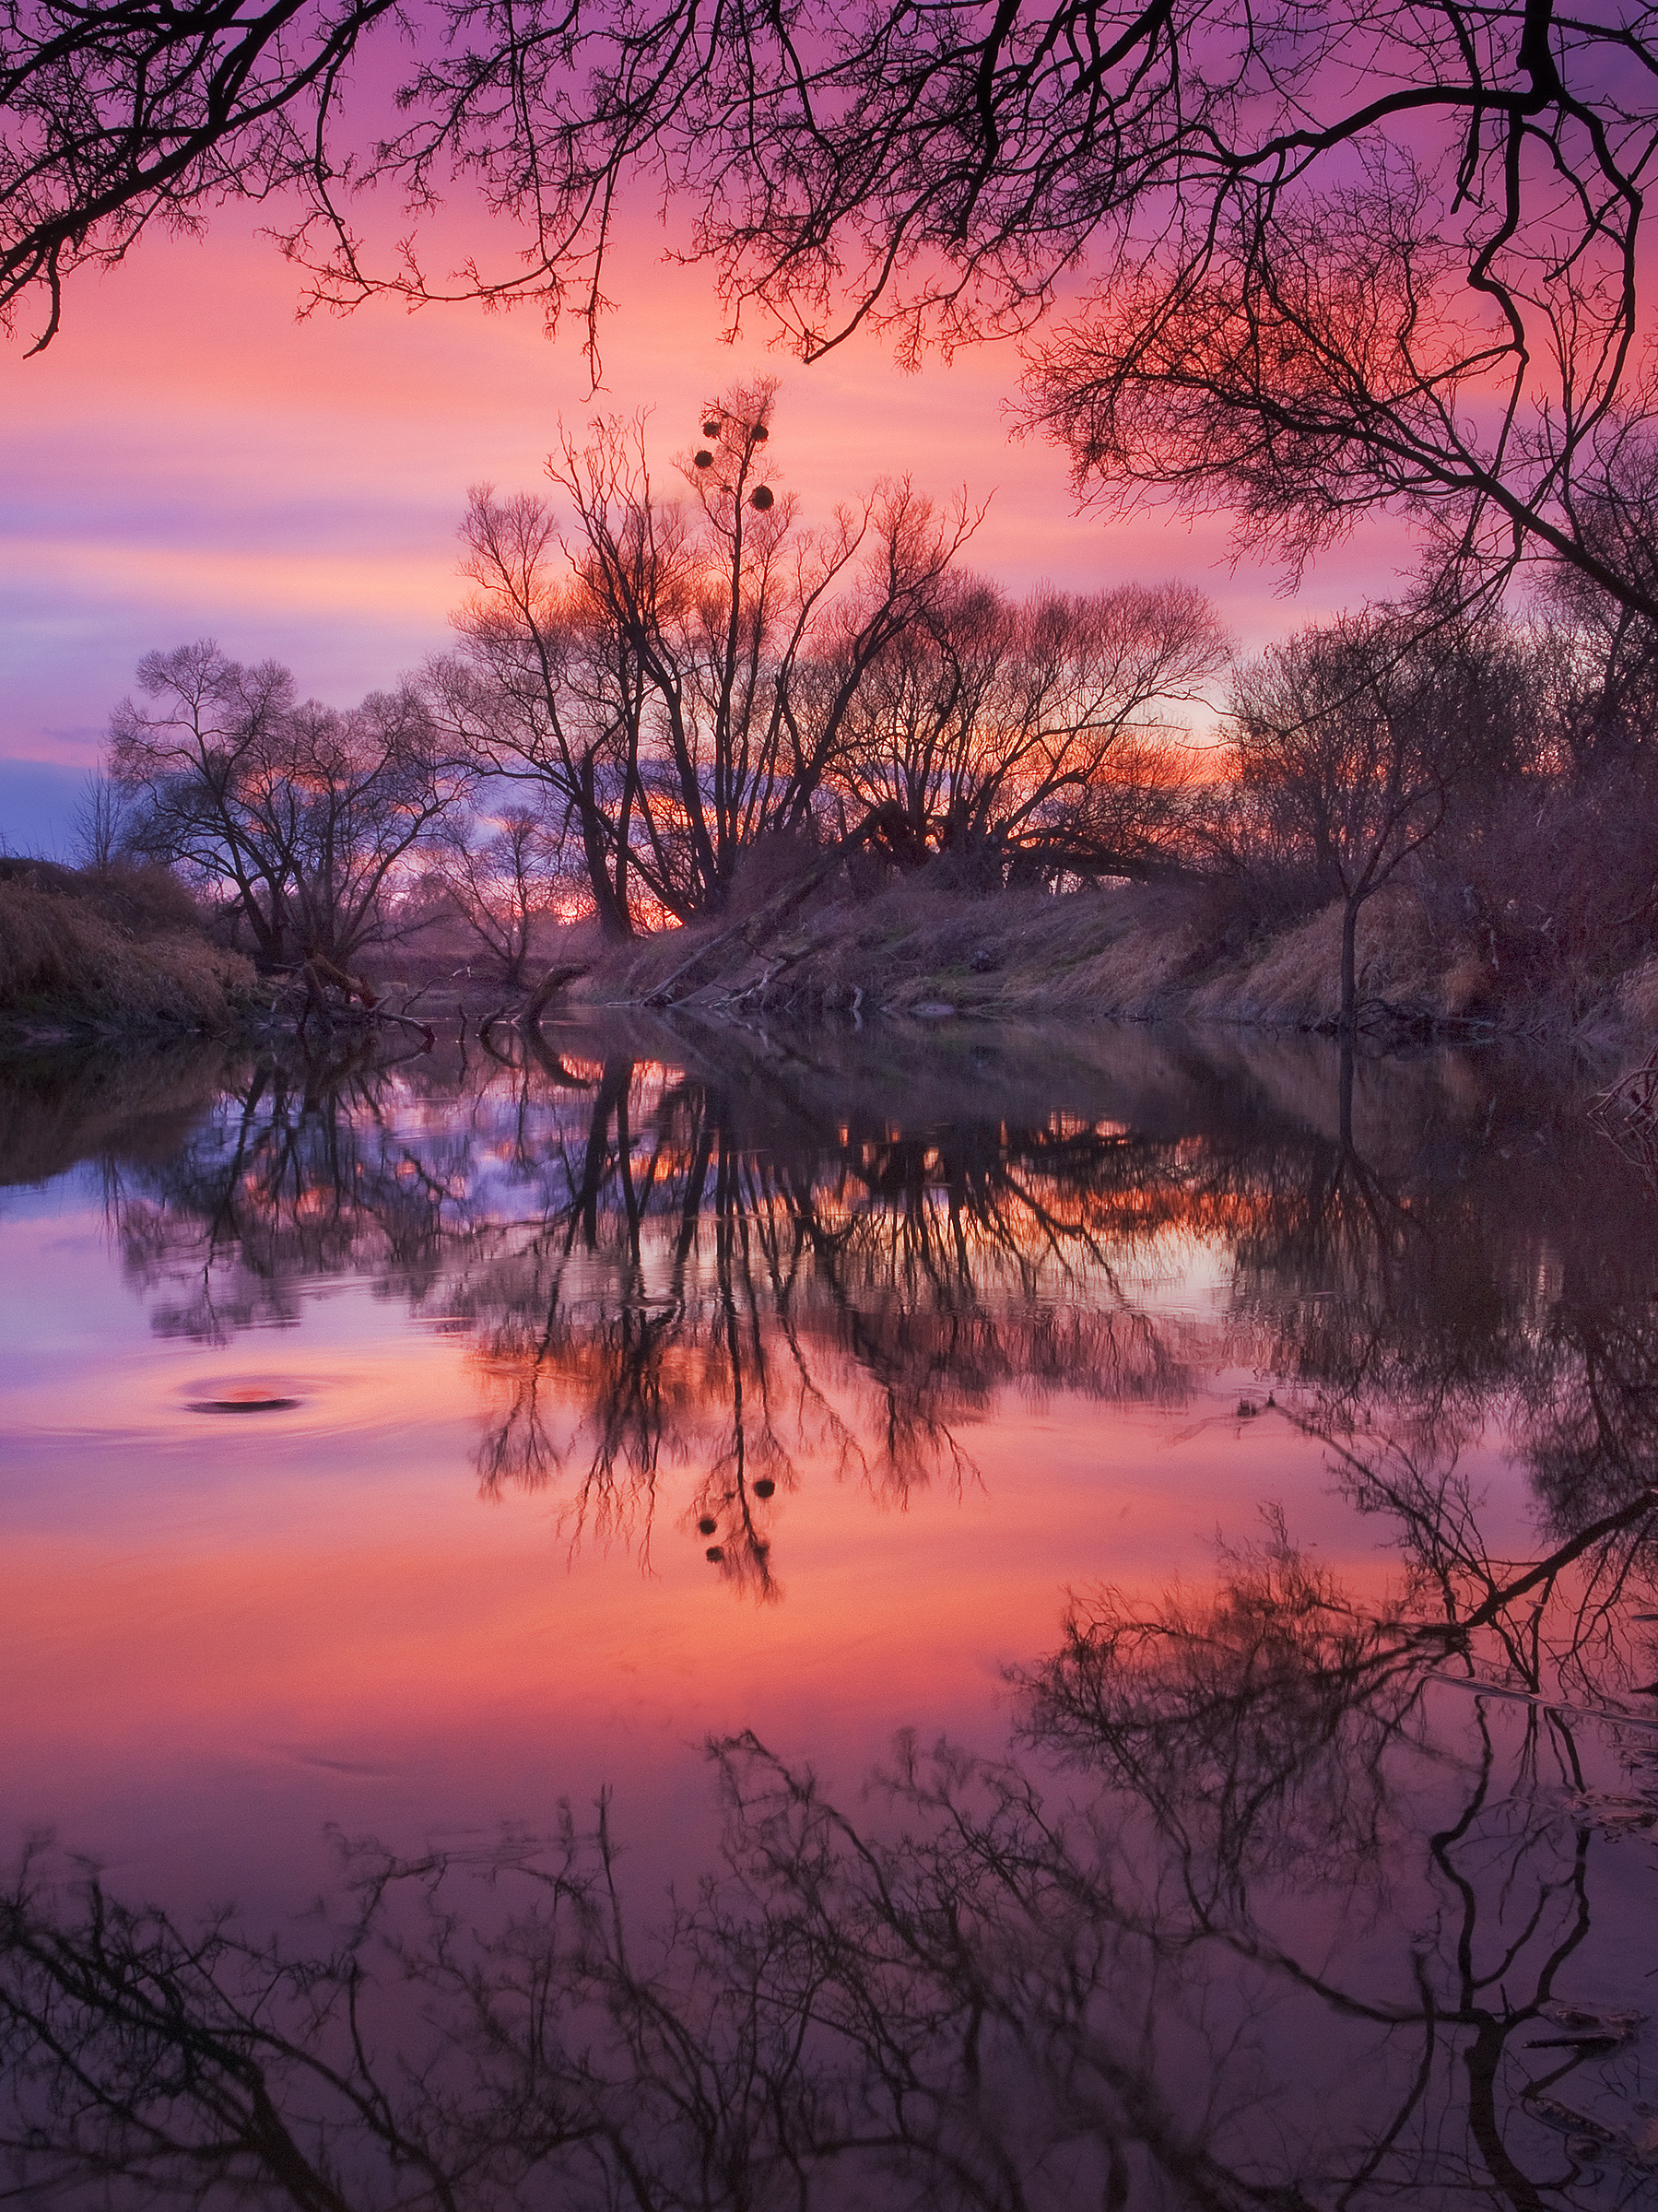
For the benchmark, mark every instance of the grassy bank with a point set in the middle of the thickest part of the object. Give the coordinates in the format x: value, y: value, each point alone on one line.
x: 1177, y: 951
x: 117, y: 949
x: 121, y: 951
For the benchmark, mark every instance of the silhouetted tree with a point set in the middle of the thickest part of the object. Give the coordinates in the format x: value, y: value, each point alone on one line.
x: 503, y: 884
x: 101, y: 825
x: 1599, y: 665
x: 1349, y: 741
x: 299, y: 815
x: 1027, y: 738
x: 679, y: 683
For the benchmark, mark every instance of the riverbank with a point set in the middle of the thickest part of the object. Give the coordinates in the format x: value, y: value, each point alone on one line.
x: 1178, y: 952
x: 123, y: 952
x: 112, y: 953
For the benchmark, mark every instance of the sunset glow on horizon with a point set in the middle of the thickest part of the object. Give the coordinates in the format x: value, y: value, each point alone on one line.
x: 187, y: 459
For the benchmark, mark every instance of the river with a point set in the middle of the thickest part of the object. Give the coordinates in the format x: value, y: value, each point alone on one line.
x: 690, y: 1616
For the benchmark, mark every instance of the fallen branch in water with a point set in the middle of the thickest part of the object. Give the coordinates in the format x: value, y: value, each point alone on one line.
x: 421, y: 1029
x: 554, y: 981
x: 1637, y: 1092
x: 1477, y: 1688
x: 1628, y: 1111
x: 492, y: 1021
x: 317, y: 975
x: 318, y: 970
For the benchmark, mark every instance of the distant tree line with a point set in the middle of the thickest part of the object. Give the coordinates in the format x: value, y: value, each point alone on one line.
x: 660, y: 702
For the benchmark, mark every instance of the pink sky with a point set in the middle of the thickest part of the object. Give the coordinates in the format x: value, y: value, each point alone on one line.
x: 188, y: 459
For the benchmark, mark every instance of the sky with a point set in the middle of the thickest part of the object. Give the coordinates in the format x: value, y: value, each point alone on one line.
x: 190, y: 459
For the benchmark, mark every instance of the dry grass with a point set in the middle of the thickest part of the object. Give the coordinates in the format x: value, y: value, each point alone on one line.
x: 66, y: 957
x: 1134, y: 954
x: 1638, y: 998
x: 905, y: 945
x: 1189, y: 950
x: 1137, y: 954
x: 1294, y: 982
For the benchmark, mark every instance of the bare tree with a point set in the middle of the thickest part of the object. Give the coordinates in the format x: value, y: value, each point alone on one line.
x: 542, y: 694
x: 101, y: 825
x: 679, y: 681
x: 503, y: 884
x: 1027, y: 739
x: 1350, y: 740
x: 302, y: 815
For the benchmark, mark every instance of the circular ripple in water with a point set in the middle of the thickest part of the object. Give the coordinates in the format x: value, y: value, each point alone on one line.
x: 245, y: 1398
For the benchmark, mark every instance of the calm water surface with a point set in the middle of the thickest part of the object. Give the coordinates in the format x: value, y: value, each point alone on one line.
x: 712, y: 1620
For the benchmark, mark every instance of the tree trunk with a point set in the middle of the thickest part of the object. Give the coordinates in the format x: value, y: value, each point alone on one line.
x: 1347, y: 1023
x: 613, y: 916
x: 555, y: 979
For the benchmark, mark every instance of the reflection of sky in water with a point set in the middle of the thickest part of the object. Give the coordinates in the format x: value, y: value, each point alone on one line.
x: 223, y: 1631
x: 194, y: 1606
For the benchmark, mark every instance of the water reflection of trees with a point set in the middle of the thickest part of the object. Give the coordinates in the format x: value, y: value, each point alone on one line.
x: 678, y: 1268
x: 298, y: 1172
x: 738, y: 1265
x: 1255, y: 1911
x: 857, y: 1296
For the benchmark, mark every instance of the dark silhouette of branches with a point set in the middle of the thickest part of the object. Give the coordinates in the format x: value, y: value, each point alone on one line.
x: 678, y: 682
x: 995, y: 1988
x: 117, y: 118
x: 1024, y: 742
x: 1351, y: 741
x: 299, y: 816
x: 1324, y: 262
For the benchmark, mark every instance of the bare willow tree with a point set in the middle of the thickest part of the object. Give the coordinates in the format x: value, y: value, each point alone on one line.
x: 300, y: 815
x: 539, y: 694
x: 502, y: 883
x: 1365, y: 254
x: 100, y: 827
x: 677, y: 679
x: 1027, y: 737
